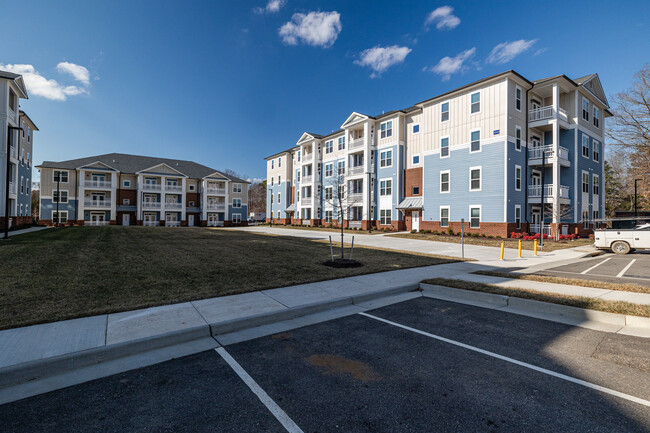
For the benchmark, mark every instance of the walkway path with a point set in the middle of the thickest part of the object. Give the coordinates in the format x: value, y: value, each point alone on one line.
x: 23, y: 231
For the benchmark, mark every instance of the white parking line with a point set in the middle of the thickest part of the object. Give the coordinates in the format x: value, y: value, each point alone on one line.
x: 595, y: 266
x: 514, y: 361
x: 277, y: 412
x: 629, y: 265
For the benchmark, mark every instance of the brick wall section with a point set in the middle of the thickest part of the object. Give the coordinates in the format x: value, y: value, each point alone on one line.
x: 130, y: 194
x: 192, y: 196
x: 293, y: 195
x: 412, y: 177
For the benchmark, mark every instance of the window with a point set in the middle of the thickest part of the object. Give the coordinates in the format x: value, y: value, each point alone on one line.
x: 328, y: 193
x: 236, y: 202
x: 22, y: 185
x: 27, y: 184
x: 386, y: 129
x: 386, y: 158
x: 444, y: 112
x: 585, y: 109
x: 236, y: 187
x: 329, y: 169
x: 596, y: 184
x: 28, y: 159
x: 595, y: 214
x: 415, y: 190
x: 24, y: 128
x: 298, y: 175
x: 476, y: 103
x: 341, y: 167
x: 518, y: 137
x: 585, y: 146
x: 279, y: 180
x: 444, y: 181
x: 127, y: 202
x: 191, y: 203
x: 13, y: 99
x: 416, y: 159
x: 341, y: 192
x: 475, y: 179
x: 475, y: 144
x: 517, y: 177
x: 64, y: 196
x: 279, y: 162
x: 341, y: 143
x: 192, y: 187
x: 474, y: 217
x: 416, y: 128
x: 384, y: 217
x: 596, y: 117
x: 518, y: 98
x: 60, y: 176
x: 585, y: 182
x: 236, y: 218
x: 22, y: 157
x: 279, y: 198
x: 329, y: 147
x: 444, y: 147
x: 328, y: 216
x: 444, y: 216
x: 596, y: 151
x: 518, y: 216
x: 60, y: 217
x: 126, y: 183
x: 585, y: 219
x: 298, y: 156
x: 271, y: 180
x: 386, y: 187
x: 272, y: 164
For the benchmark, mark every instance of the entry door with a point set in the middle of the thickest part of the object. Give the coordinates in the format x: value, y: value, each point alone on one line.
x: 149, y: 217
x: 126, y: 219
x: 536, y: 179
x: 97, y: 217
x: 170, y: 217
x: 212, y: 219
x: 190, y: 220
x: 536, y: 217
x: 535, y: 141
x: 415, y: 220
x: 534, y: 104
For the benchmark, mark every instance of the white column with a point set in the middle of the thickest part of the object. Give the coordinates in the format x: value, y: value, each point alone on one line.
x: 80, y: 193
x: 113, y: 215
x: 367, y: 169
x: 183, y: 208
x: 139, y: 215
x: 227, y: 214
x: 204, y: 200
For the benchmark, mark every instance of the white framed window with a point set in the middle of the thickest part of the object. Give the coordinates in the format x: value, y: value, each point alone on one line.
x: 517, y: 177
x: 191, y: 203
x: 271, y: 180
x: 28, y: 163
x: 596, y: 184
x: 329, y: 170
x: 596, y: 117
x: 27, y: 185
x: 64, y: 196
x: 126, y: 183
x: 596, y: 151
x: 386, y: 187
x: 386, y: 158
x: 192, y: 187
x: 386, y: 129
x: 475, y: 141
x: 328, y: 216
x: 518, y: 215
x: 298, y: 156
x: 518, y: 137
x: 517, y: 98
x: 236, y: 202
x: 475, y: 178
x: 416, y: 128
x: 585, y: 182
x: 385, y: 217
x: 60, y: 217
x: 444, y: 216
x: 445, y: 181
x: 341, y: 143
x: 279, y: 162
x: 585, y: 109
x: 22, y: 184
x: 274, y: 196
x: 126, y: 202
x: 416, y: 159
x: 444, y: 112
x: 329, y: 147
x: 475, y: 103
x: 236, y: 187
x: 596, y: 214
x: 328, y: 192
x: 279, y: 180
x: 60, y: 175
x: 236, y: 217
x: 341, y: 192
x: 415, y: 190
x: 272, y: 164
x: 444, y: 147
x: 341, y: 167
x: 475, y: 217
x: 585, y: 219
x: 585, y: 145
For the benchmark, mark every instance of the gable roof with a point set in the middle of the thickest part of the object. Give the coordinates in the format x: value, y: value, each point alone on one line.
x: 18, y: 79
x: 132, y: 164
x: 29, y: 120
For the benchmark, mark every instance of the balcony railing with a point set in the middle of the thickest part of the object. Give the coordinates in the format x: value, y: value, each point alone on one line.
x: 98, y: 203
x: 97, y: 223
x: 172, y: 223
x: 305, y: 222
x: 538, y: 152
x: 213, y: 190
x: 173, y: 205
x: 355, y: 144
x: 151, y: 204
x: 306, y: 201
x: 13, y: 152
x: 12, y: 188
x: 97, y: 184
x: 216, y: 206
x: 307, y: 157
x: 150, y: 223
x: 307, y: 179
x: 547, y: 112
x: 178, y: 188
x: 150, y: 187
x: 355, y: 196
x: 354, y: 224
x: 537, y: 228
x: 355, y: 170
x: 215, y: 223
x: 549, y: 191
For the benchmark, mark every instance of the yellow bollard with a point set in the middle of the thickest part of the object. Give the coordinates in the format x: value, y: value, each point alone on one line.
x: 535, y: 247
x: 503, y: 246
x: 519, y: 248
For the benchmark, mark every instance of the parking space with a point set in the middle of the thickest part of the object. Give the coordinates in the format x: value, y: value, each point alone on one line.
x: 420, y: 365
x: 631, y: 268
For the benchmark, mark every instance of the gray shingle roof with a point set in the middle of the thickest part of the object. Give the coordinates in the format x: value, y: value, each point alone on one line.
x: 126, y: 163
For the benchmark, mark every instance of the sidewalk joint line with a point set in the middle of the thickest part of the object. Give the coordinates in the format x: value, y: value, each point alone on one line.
x: 271, y: 297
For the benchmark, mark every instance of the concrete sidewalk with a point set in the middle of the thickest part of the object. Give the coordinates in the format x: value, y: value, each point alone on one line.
x: 28, y: 230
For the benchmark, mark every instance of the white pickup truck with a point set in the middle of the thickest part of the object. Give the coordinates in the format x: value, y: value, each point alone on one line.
x: 622, y: 241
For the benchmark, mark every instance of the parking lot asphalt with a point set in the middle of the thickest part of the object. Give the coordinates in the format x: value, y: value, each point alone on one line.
x: 609, y: 267
x: 420, y: 365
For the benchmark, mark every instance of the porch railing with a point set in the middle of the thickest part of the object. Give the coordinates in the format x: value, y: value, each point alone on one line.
x: 98, y: 203
x: 210, y: 190
x: 150, y: 223
x: 355, y: 144
x: 96, y: 223
x: 97, y: 184
x: 537, y: 228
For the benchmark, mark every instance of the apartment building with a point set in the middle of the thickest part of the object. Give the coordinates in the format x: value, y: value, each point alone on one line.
x: 20, y: 144
x: 126, y: 189
x: 501, y: 154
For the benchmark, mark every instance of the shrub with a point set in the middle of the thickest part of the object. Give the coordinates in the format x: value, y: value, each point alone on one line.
x: 450, y: 231
x: 483, y: 235
x: 435, y: 232
x: 427, y: 231
x: 413, y: 231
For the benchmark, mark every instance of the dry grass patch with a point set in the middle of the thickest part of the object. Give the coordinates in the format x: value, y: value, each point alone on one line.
x: 569, y: 281
x: 617, y: 307
x: 549, y: 245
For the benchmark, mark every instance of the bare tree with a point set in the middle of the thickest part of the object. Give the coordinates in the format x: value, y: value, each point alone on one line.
x: 257, y: 197
x: 340, y: 199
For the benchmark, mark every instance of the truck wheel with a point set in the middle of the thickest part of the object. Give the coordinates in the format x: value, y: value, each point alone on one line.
x: 620, y: 247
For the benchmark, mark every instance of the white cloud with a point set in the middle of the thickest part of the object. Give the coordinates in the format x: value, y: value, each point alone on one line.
x: 78, y: 72
x: 540, y: 51
x: 443, y: 18
x: 38, y: 85
x: 381, y: 58
x: 450, y: 65
x: 319, y: 29
x: 507, y: 51
x: 272, y: 7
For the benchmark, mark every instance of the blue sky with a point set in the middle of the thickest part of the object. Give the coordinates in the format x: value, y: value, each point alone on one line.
x: 226, y: 83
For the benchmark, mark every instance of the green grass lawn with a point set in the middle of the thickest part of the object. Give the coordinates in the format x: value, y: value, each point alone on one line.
x: 65, y: 273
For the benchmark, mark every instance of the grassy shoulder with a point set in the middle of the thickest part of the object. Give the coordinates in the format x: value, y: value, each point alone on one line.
x: 549, y: 245
x: 72, y: 272
x: 618, y: 307
x: 326, y: 229
x: 570, y: 281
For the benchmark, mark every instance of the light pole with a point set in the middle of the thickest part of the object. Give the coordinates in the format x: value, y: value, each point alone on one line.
x: 9, y: 136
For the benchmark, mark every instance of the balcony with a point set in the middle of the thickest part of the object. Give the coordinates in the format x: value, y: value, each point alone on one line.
x: 13, y: 152
x: 169, y: 223
x: 12, y: 188
x: 535, y: 191
x: 355, y: 170
x: 216, y: 206
x: 306, y: 201
x: 307, y: 179
x: 151, y: 204
x: 307, y: 158
x: 357, y: 144
x: 547, y: 113
x: 97, y: 184
x: 535, y: 155
x: 171, y: 188
x: 150, y: 187
x: 96, y: 223
x: 150, y: 223
x: 215, y: 223
x: 173, y: 205
x: 215, y: 190
x: 355, y: 197
x: 103, y: 204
